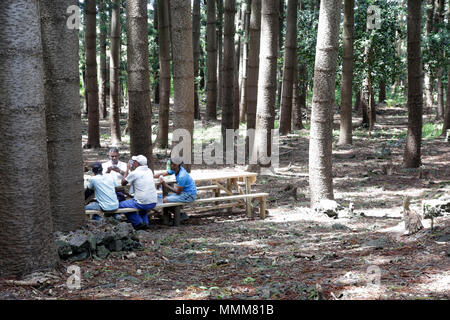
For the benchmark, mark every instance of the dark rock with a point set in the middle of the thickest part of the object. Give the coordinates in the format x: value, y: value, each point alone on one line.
x: 64, y: 249
x: 102, y: 252
x: 92, y: 242
x: 338, y: 226
x: 128, y: 244
x: 123, y: 230
x: 80, y: 256
x: 79, y: 243
x: 115, y: 245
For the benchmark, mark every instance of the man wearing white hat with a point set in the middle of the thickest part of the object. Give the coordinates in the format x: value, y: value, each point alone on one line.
x: 141, y: 180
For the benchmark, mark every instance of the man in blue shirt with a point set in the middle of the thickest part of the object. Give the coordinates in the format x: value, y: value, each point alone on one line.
x: 185, y: 190
x: 104, y: 188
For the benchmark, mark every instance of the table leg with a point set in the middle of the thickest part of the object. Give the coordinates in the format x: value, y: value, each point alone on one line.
x: 229, y: 188
x: 176, y: 216
x: 166, y: 216
x: 262, y: 207
x: 248, y: 201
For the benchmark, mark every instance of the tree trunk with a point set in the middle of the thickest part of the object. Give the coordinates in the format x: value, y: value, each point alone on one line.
x: 243, y: 82
x: 102, y: 71
x: 446, y: 125
x: 382, y: 93
x: 288, y: 68
x: 164, y: 74
x: 196, y: 45
x: 140, y: 111
x: 228, y: 69
x: 267, y: 83
x: 220, y: 53
x: 345, y: 132
x: 253, y: 62
x: 91, y: 76
x: 114, y: 65
x: 412, y: 155
x: 280, y: 48
x: 298, y: 102
x: 439, y: 19
x: 321, y: 137
x: 428, y: 88
x: 157, y: 68
x: 237, y: 51
x: 26, y: 230
x: 211, y: 49
x: 183, y: 71
x: 63, y: 118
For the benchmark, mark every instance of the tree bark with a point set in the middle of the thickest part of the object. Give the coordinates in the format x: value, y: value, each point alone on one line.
x: 26, y: 230
x: 140, y: 111
x: 114, y: 65
x: 439, y: 19
x: 412, y: 154
x: 196, y: 45
x: 63, y: 118
x: 345, y: 132
x: 228, y: 69
x: 382, y: 93
x: 237, y: 51
x: 183, y: 71
x: 102, y: 71
x: 164, y: 74
x: 280, y: 48
x: 298, y: 100
x: 91, y: 75
x: 267, y: 81
x: 288, y: 68
x: 211, y: 49
x: 243, y: 82
x: 428, y: 88
x: 220, y: 53
x: 321, y: 137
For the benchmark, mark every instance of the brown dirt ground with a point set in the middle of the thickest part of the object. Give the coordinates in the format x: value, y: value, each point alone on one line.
x: 221, y: 255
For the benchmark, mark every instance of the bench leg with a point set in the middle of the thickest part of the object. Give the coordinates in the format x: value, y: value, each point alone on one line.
x: 229, y: 187
x: 176, y: 216
x: 248, y: 201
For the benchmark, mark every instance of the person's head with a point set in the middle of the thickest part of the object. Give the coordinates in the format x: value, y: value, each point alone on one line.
x: 176, y: 163
x: 114, y: 155
x: 97, y: 168
x: 139, y: 160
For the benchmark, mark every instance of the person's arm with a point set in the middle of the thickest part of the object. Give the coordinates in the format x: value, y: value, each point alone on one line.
x: 124, y: 181
x: 157, y: 175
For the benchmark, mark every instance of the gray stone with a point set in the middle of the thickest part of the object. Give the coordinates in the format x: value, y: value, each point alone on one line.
x: 329, y: 207
x: 115, y: 245
x: 64, y: 249
x: 378, y: 243
x: 123, y: 230
x: 92, y: 241
x: 79, y: 243
x: 102, y: 252
x: 338, y: 226
x: 79, y: 257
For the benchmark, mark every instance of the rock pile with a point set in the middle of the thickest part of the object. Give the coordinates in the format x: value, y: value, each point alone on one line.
x: 97, y: 239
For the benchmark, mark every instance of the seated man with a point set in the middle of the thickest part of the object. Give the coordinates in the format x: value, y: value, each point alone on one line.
x: 103, y: 187
x: 115, y: 167
x: 141, y: 181
x: 185, y: 190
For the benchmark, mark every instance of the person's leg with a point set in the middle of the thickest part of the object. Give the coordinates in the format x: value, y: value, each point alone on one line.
x: 144, y: 212
x: 94, y: 206
x: 133, y: 217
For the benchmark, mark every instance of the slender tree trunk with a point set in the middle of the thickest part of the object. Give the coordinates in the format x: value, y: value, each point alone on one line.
x: 428, y: 88
x: 345, y: 132
x: 439, y: 19
x: 321, y: 137
x: 288, y: 69
x: 446, y: 125
x: 85, y: 98
x: 63, y: 118
x: 114, y: 65
x: 91, y: 75
x: 157, y: 69
x: 298, y: 102
x: 228, y: 69
x: 237, y: 71
x: 412, y: 155
x: 220, y: 53
x: 183, y: 71
x: 196, y: 45
x: 26, y: 230
x: 102, y: 71
x: 140, y: 111
x: 211, y: 49
x: 382, y: 93
x: 357, y: 105
x: 253, y: 63
x: 243, y: 82
x: 280, y: 48
x: 164, y: 74
x: 267, y: 81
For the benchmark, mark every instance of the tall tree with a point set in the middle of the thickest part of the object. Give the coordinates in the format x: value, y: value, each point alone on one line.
x: 140, y: 112
x: 253, y: 62
x: 345, y: 132
x: 220, y: 52
x: 228, y: 68
x: 91, y: 75
x: 114, y: 65
x: 267, y: 81
x: 211, y: 49
x: 183, y: 70
x: 164, y: 73
x: 244, y: 62
x: 428, y: 87
x: 439, y: 19
x: 63, y: 118
x: 102, y: 71
x: 237, y: 71
x: 412, y: 154
x: 288, y: 68
x: 321, y: 137
x: 196, y: 45
x: 26, y: 237
x: 298, y: 95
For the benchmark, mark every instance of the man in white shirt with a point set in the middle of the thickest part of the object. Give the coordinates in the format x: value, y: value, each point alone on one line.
x: 145, y: 198
x: 114, y: 166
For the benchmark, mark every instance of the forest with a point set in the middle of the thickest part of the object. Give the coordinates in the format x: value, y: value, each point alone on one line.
x: 328, y: 119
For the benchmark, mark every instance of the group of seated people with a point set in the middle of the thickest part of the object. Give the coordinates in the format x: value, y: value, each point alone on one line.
x: 114, y: 173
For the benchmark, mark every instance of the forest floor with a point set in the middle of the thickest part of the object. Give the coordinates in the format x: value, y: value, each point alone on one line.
x: 293, y: 253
